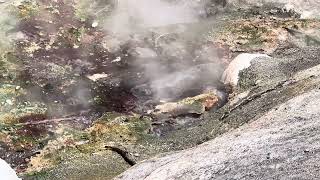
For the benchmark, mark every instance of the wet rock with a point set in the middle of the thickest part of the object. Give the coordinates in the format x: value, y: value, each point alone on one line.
x: 113, y: 93
x: 241, y: 62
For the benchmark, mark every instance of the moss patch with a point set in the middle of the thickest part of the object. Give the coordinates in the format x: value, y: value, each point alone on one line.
x: 120, y: 128
x: 252, y: 35
x: 27, y: 9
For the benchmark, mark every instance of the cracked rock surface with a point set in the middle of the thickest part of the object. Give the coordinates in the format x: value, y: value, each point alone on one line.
x: 282, y: 143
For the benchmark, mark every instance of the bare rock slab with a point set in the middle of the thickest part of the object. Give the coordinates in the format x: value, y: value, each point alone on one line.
x: 262, y: 149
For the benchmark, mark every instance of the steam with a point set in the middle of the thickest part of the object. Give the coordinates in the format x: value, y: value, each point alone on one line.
x: 135, y: 15
x: 168, y: 59
x: 160, y: 45
x: 8, y: 23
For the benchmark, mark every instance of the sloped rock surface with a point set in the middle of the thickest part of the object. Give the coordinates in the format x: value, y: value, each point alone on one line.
x: 279, y: 68
x: 262, y: 149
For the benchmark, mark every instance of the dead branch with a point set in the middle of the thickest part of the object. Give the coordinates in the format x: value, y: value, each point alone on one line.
x: 46, y: 121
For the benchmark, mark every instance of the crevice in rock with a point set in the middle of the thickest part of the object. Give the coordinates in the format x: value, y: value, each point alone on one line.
x: 250, y: 99
x: 123, y: 153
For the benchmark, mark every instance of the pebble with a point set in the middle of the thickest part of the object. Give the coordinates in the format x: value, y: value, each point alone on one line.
x: 9, y: 102
x: 94, y: 24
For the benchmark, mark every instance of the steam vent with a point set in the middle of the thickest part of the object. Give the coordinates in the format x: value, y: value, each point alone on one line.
x: 159, y: 89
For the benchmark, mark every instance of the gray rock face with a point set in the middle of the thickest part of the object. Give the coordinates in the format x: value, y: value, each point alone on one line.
x: 281, y: 144
x: 307, y: 8
x: 242, y: 61
x: 280, y: 68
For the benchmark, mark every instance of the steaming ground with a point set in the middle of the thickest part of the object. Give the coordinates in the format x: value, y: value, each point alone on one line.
x: 91, y: 89
x: 69, y: 66
x: 66, y: 72
x: 168, y: 54
x: 131, y: 16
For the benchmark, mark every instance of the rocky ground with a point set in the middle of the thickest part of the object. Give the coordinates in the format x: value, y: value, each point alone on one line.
x: 281, y: 144
x: 78, y: 102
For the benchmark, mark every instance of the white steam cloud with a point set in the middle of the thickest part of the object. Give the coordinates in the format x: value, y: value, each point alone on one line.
x: 133, y: 15
x: 169, y: 63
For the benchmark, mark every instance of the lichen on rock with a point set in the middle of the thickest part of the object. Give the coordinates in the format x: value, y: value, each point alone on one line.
x: 119, y: 128
x: 262, y: 35
x: 74, y: 149
x: 188, y: 106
